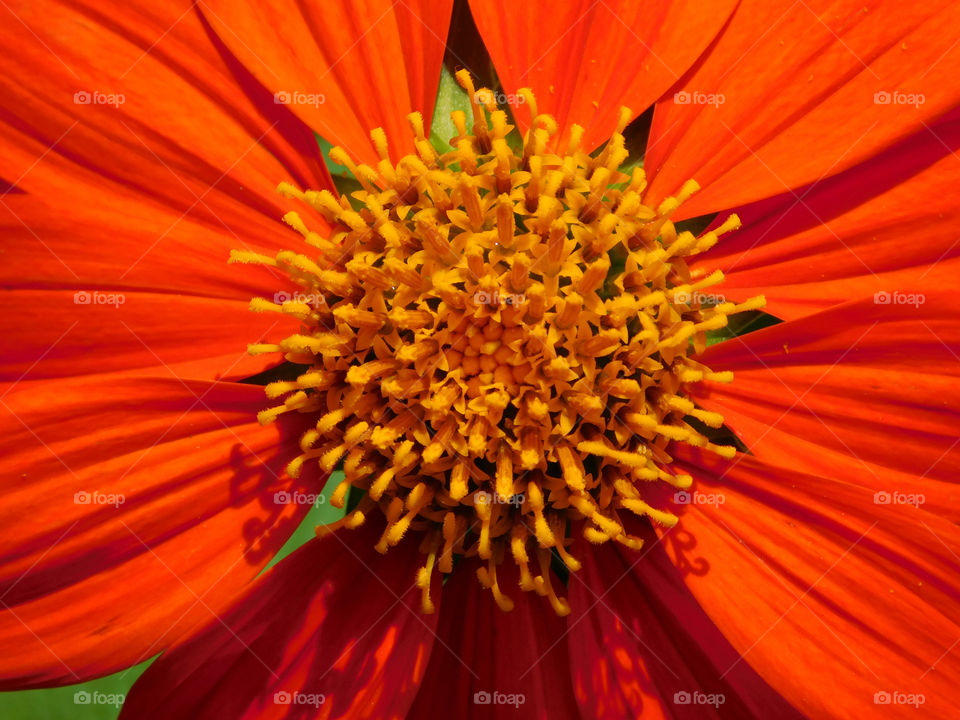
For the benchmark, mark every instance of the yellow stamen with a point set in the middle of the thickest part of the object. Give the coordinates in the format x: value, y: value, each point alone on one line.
x: 500, y: 343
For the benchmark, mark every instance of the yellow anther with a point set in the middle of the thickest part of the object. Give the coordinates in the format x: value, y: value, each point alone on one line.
x: 341, y: 157
x: 576, y: 137
x: 379, y: 138
x: 500, y: 341
x: 529, y: 99
x: 545, y: 587
x: 246, y: 256
x: 424, y: 576
x: 488, y: 578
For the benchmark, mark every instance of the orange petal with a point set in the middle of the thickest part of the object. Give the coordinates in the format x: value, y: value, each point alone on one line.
x: 585, y: 59
x: 788, y: 97
x: 862, y: 391
x: 343, y: 68
x: 113, y: 239
x: 521, y: 655
x: 141, y: 98
x: 135, y: 509
x: 888, y: 223
x: 841, y: 604
x: 641, y: 646
x: 333, y: 631
x: 118, y: 284
x: 67, y: 333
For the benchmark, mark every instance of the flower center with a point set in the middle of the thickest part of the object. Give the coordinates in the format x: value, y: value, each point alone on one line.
x: 499, y: 344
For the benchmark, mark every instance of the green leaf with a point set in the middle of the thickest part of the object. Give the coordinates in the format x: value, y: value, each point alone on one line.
x: 450, y: 97
x: 741, y: 324
x: 99, y: 699
x: 322, y: 513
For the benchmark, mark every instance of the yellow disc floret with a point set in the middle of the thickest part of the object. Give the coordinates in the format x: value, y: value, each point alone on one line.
x: 498, y: 342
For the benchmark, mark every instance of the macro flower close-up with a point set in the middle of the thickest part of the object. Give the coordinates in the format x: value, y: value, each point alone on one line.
x: 476, y: 359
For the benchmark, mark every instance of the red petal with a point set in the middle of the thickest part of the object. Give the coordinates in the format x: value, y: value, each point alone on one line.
x: 859, y: 391
x: 346, y: 67
x: 833, y: 599
x: 520, y: 656
x: 193, y: 132
x: 136, y: 510
x: 335, y: 630
x: 798, y: 97
x: 641, y: 646
x: 584, y: 60
x: 888, y: 223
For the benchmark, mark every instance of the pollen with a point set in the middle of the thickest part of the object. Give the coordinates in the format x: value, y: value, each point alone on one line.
x: 498, y: 344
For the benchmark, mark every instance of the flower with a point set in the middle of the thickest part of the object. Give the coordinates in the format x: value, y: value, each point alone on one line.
x: 812, y: 575
x: 458, y: 404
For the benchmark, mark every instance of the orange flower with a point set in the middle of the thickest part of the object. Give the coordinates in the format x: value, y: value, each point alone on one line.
x: 501, y: 340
